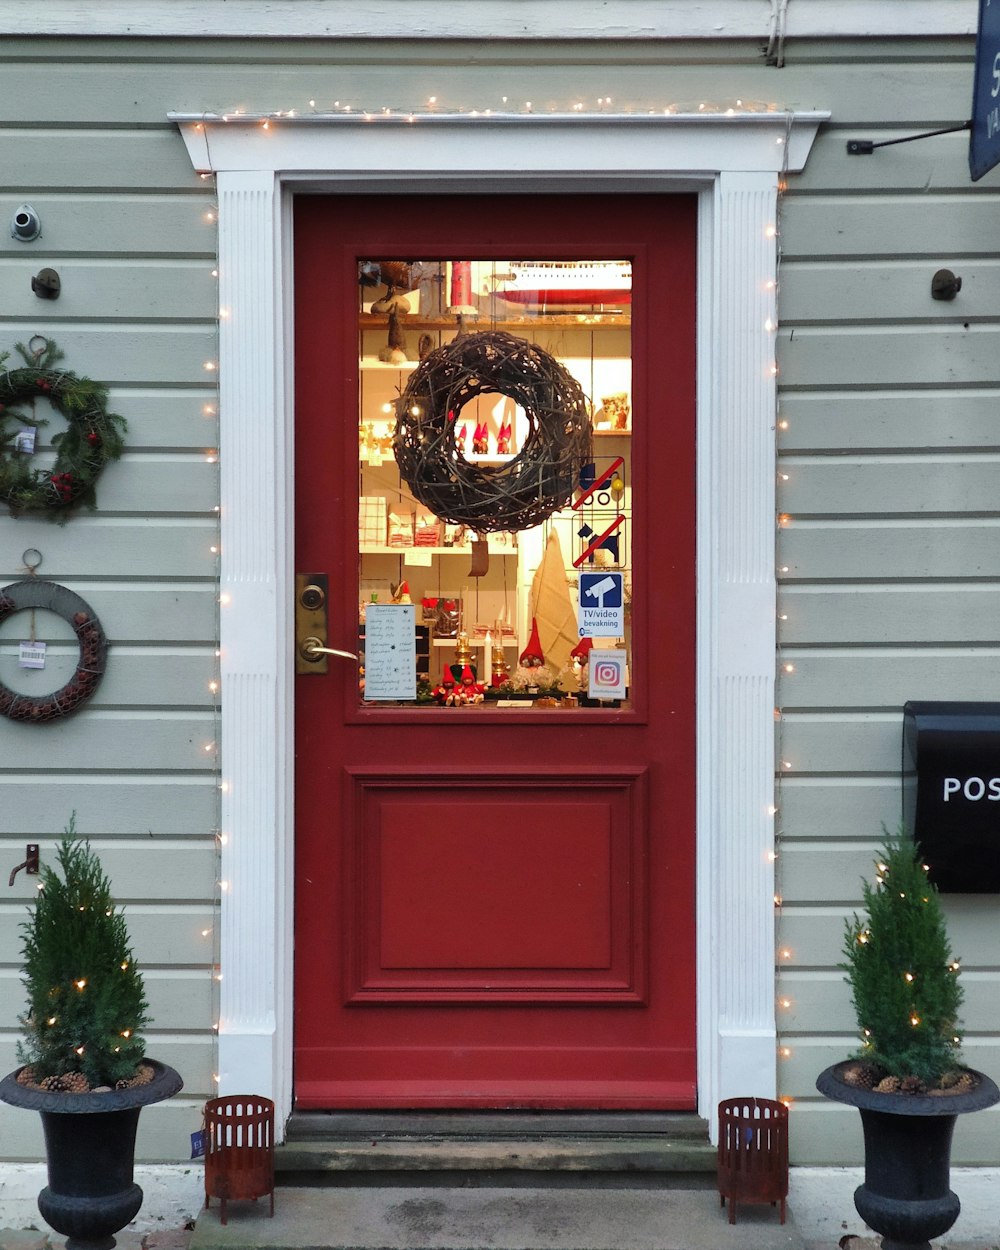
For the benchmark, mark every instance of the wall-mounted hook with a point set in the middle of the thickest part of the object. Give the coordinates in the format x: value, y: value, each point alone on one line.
x: 944, y: 285
x: 30, y: 864
x: 46, y: 284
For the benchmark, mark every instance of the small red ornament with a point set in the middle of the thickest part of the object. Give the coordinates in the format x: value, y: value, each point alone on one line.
x: 93, y: 438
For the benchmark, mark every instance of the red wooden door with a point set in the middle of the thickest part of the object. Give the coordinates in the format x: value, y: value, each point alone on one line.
x: 495, y: 907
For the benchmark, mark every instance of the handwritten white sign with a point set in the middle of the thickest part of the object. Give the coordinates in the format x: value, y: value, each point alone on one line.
x: 390, y: 651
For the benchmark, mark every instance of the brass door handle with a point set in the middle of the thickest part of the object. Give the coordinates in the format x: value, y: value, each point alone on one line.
x: 312, y: 649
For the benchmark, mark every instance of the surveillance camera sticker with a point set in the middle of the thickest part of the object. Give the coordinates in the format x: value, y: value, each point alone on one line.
x: 607, y: 674
x: 602, y: 605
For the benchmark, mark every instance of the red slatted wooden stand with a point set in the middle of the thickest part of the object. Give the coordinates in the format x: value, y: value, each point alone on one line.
x: 753, y: 1152
x: 239, y: 1149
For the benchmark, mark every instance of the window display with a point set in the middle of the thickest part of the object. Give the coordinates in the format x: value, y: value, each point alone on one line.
x: 494, y: 427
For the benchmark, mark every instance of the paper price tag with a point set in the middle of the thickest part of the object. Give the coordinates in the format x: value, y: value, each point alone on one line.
x: 31, y: 655
x: 24, y: 440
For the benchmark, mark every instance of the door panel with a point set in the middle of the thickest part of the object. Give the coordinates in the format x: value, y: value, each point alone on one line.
x: 567, y: 861
x: 496, y: 907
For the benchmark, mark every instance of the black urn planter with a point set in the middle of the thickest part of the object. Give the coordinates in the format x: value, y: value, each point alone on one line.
x: 90, y: 1148
x: 906, y: 1195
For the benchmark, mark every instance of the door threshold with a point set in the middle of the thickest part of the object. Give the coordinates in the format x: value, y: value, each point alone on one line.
x: 303, y: 1125
x: 497, y: 1147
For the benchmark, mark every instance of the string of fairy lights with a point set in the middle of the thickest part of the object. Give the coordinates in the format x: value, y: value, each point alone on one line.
x: 505, y: 105
x: 437, y: 106
x: 785, y: 670
x: 210, y: 412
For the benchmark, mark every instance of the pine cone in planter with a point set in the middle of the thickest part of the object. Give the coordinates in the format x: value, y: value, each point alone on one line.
x: 53, y: 1084
x: 889, y: 1085
x: 143, y: 1075
x: 966, y: 1082
x: 862, y: 1075
x: 912, y: 1085
x: 75, y: 1083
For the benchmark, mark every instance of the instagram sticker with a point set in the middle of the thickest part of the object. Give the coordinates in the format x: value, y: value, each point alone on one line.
x: 607, y: 674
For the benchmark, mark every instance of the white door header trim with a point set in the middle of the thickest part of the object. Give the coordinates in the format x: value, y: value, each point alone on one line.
x: 521, y: 145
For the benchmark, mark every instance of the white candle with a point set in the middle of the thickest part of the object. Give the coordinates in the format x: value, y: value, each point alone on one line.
x: 487, y: 677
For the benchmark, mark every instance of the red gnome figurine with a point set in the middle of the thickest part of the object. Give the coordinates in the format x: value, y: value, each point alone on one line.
x: 531, y: 656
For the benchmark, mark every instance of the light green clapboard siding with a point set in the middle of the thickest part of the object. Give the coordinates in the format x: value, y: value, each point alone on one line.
x: 936, y: 165
x: 176, y: 997
x: 51, y: 157
x: 890, y: 453
x: 105, y: 289
x: 825, y: 1134
x: 893, y: 483
x: 141, y: 612
x: 166, y: 420
x: 895, y: 614
x: 820, y: 1002
x: 873, y: 420
x: 162, y: 933
x: 153, y: 806
x: 159, y: 678
x: 117, y: 223
x: 138, y: 740
x: 827, y: 808
x: 398, y: 75
x: 876, y: 549
x: 100, y: 546
x: 890, y: 355
x: 163, y: 1135
x: 814, y: 292
x: 941, y: 227
x: 150, y: 867
x: 135, y: 354
x: 814, y: 934
x: 884, y: 678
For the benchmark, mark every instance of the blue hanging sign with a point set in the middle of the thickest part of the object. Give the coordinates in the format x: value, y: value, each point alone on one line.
x: 984, y: 143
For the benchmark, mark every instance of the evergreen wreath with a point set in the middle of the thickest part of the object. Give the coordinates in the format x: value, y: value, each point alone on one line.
x: 92, y: 437
x: 86, y: 1001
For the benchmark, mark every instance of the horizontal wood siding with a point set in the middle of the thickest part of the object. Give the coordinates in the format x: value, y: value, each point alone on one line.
x: 131, y: 231
x: 887, y: 541
x: 889, y: 534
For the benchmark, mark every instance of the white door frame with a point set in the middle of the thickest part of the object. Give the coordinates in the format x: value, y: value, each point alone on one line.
x: 734, y: 163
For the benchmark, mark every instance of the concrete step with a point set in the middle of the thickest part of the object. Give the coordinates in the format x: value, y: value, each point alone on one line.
x: 494, y: 1148
x: 493, y: 1218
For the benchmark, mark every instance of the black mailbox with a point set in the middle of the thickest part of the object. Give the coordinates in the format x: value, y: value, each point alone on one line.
x: 951, y: 792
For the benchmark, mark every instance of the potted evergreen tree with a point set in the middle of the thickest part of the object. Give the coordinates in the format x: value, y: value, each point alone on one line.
x: 907, y: 1078
x: 83, y: 1055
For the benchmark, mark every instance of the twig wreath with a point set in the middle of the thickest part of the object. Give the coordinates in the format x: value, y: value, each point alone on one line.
x: 35, y: 592
x: 92, y: 437
x: 489, y: 498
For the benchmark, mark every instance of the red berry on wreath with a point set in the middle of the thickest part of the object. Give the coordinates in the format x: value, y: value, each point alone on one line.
x: 93, y: 438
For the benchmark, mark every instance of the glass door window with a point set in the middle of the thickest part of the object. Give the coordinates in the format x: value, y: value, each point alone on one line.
x: 452, y: 617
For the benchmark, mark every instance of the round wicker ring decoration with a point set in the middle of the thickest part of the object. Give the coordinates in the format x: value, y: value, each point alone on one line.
x: 34, y: 592
x: 540, y: 478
